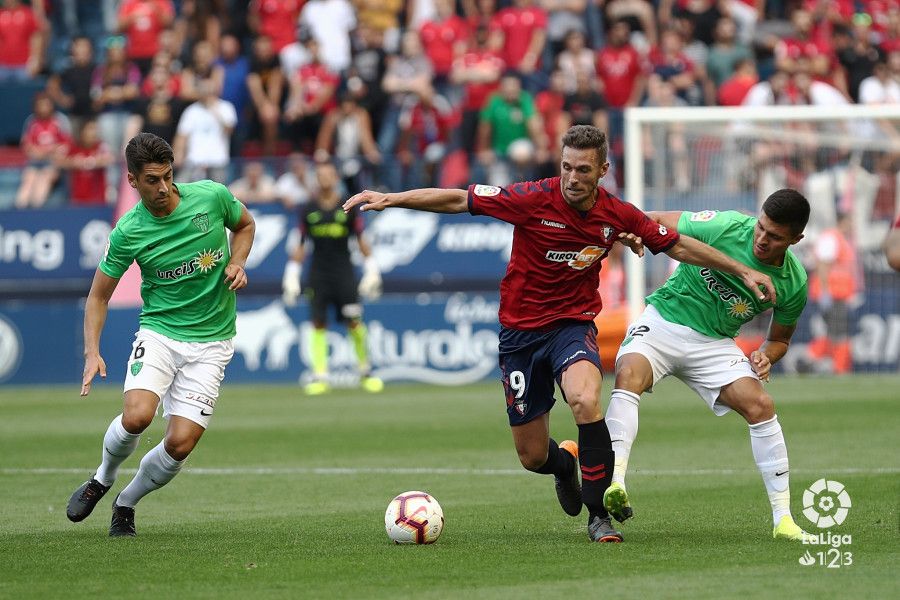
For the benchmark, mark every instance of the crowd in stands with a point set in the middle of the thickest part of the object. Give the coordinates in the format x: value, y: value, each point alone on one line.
x: 404, y: 93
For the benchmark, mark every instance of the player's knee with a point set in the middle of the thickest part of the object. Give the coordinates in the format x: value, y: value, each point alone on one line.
x: 585, y: 404
x: 632, y: 376
x: 532, y: 460
x: 136, y: 421
x: 179, y: 447
x: 760, y: 408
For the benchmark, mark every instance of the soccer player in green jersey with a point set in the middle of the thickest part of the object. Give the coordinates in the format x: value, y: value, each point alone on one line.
x: 178, y: 236
x: 688, y: 330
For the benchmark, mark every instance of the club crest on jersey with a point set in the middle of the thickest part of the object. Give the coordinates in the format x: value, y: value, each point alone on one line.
x: 704, y: 215
x: 201, y: 222
x: 577, y: 259
x: 607, y: 232
x: 486, y: 190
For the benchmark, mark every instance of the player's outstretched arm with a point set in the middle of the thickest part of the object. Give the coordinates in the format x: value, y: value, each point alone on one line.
x: 428, y: 199
x: 695, y: 252
x: 95, y: 310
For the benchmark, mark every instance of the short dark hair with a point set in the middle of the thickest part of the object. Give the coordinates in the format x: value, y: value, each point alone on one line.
x: 788, y: 207
x: 583, y: 137
x: 146, y: 148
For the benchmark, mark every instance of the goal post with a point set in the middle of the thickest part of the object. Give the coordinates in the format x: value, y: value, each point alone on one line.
x: 844, y: 159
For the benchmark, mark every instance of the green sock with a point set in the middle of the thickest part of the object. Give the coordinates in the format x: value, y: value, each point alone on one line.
x: 359, y: 335
x: 319, y: 352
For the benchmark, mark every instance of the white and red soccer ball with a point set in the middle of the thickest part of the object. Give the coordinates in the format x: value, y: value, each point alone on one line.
x: 414, y: 518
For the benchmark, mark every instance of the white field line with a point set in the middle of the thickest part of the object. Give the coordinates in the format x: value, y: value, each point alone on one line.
x: 436, y: 471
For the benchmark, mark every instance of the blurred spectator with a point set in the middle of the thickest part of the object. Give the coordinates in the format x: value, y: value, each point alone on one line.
x: 584, y: 106
x: 478, y: 70
x: 818, y: 53
x: 703, y: 14
x: 695, y: 50
x: 860, y: 58
x: 424, y: 136
x: 265, y: 83
x: 86, y: 163
x: 255, y: 186
x: 892, y: 246
x: 620, y: 68
x: 640, y: 18
x: 71, y: 88
x: 346, y: 138
x: 563, y: 16
x: 834, y: 286
x: 746, y: 13
x: 671, y: 65
x: 312, y: 94
x: 724, y: 56
x: 159, y: 109
x: 201, y: 68
x: 114, y: 87
x: 235, y: 68
x: 141, y: 21
x: 444, y: 38
x: 662, y: 93
x: 45, y: 137
x: 734, y: 90
x: 330, y: 23
x: 769, y: 92
x: 480, y: 13
x: 163, y: 75
x: 21, y: 41
x: 383, y: 17
x: 294, y: 55
x: 816, y: 93
x: 523, y: 35
x: 366, y: 72
x: 575, y: 58
x: 408, y: 75
x: 510, y: 134
x: 201, y: 20
x: 275, y: 19
x: 201, y: 140
x: 294, y: 185
x: 549, y: 105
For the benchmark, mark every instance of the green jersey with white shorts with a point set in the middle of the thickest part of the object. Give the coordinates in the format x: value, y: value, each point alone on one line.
x: 182, y: 257
x: 717, y: 304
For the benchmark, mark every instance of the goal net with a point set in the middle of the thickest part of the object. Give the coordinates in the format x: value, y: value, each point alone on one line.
x: 845, y: 160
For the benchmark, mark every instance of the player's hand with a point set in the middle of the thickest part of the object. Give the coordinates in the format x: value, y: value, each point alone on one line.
x: 367, y: 200
x: 761, y: 364
x: 93, y: 364
x: 370, y: 284
x: 235, y: 276
x: 755, y: 280
x: 290, y: 283
x: 632, y: 241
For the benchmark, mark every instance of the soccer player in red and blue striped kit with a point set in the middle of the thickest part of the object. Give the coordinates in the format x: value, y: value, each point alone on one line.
x: 564, y: 227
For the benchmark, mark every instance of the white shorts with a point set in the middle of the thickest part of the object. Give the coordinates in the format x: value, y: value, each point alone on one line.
x: 185, y: 375
x: 704, y: 363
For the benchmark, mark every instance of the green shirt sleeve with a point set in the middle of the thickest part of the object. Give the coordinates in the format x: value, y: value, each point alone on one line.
x: 231, y: 206
x: 708, y: 225
x: 788, y: 313
x: 118, y: 256
x: 528, y: 109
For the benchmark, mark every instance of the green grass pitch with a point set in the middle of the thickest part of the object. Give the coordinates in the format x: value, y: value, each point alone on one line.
x: 285, y: 496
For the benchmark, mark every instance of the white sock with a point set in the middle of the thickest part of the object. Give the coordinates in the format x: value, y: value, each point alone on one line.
x: 157, y: 469
x: 118, y: 444
x: 622, y: 421
x: 770, y: 453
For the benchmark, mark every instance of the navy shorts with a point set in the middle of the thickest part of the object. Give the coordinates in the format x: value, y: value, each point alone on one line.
x: 531, y: 362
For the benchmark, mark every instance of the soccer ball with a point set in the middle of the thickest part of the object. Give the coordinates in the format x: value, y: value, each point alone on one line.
x: 414, y: 518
